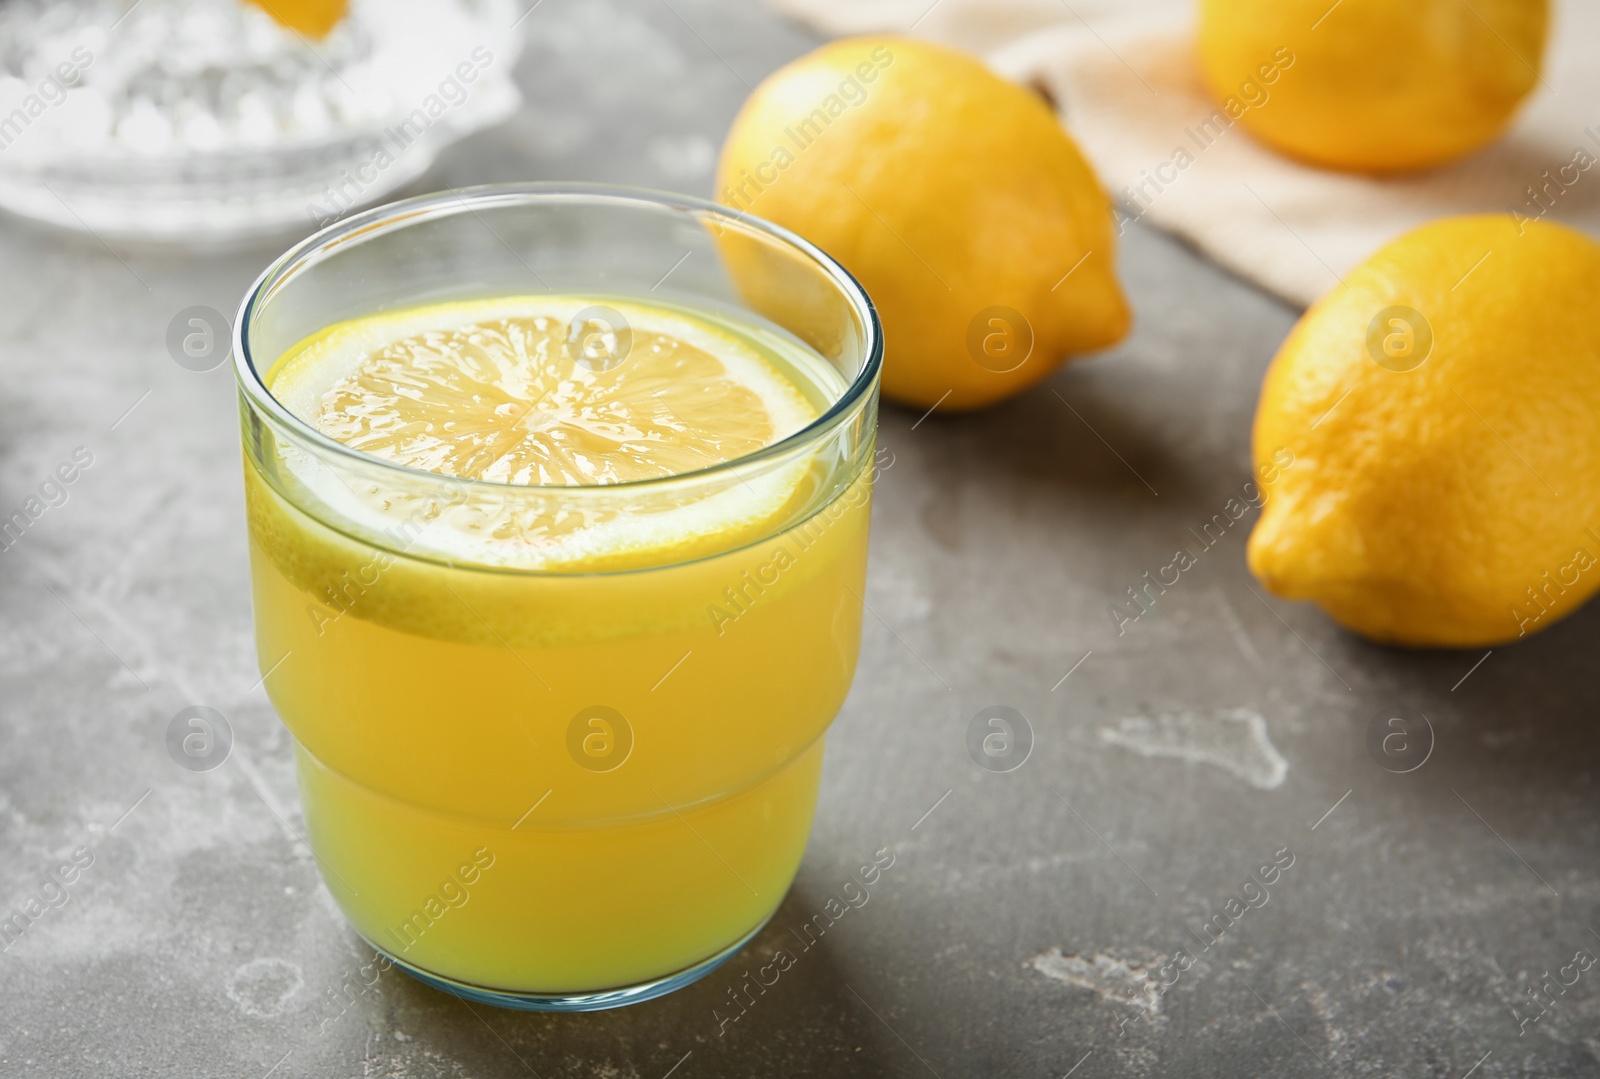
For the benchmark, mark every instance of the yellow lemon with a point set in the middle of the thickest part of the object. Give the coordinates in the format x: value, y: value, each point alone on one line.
x: 1372, y: 85
x: 1428, y: 438
x: 314, y: 17
x: 955, y: 198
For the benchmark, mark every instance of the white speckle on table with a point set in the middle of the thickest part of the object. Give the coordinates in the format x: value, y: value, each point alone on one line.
x: 263, y: 987
x: 1117, y: 979
x: 1233, y: 739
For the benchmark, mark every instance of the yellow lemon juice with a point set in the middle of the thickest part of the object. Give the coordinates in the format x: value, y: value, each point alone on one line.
x: 551, y: 736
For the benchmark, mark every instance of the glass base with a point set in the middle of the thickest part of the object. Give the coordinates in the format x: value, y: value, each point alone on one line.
x: 596, y: 1001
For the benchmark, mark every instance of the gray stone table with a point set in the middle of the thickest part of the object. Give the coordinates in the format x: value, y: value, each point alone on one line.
x: 1024, y: 910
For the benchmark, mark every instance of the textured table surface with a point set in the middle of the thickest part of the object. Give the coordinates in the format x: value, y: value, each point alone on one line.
x: 1014, y: 933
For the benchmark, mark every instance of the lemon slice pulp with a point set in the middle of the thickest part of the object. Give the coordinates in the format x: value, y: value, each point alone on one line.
x: 544, y: 393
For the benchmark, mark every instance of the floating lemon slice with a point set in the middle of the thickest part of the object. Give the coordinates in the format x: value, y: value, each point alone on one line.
x: 542, y: 393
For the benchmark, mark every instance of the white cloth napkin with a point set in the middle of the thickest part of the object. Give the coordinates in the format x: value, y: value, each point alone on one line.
x: 1127, y: 85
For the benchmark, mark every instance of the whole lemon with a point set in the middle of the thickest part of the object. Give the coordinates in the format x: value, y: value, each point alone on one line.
x: 1372, y: 85
x: 955, y: 198
x: 314, y: 17
x: 1428, y: 438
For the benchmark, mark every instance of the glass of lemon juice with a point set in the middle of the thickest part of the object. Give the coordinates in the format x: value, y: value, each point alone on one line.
x: 558, y: 503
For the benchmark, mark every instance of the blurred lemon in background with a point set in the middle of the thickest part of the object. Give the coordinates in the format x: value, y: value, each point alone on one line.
x: 1443, y: 417
x: 956, y: 199
x: 1374, y: 85
x: 314, y: 17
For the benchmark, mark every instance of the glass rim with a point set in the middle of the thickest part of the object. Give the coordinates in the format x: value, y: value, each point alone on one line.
x: 391, y: 216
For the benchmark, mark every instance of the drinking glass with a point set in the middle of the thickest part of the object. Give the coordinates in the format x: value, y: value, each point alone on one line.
x: 538, y: 787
